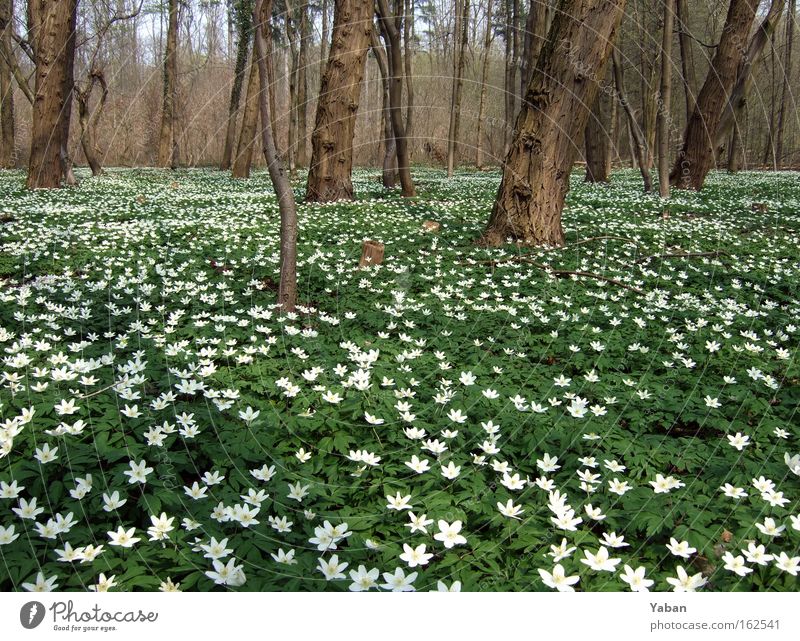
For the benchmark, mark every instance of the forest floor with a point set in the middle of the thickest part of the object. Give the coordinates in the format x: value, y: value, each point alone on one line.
x: 457, y: 417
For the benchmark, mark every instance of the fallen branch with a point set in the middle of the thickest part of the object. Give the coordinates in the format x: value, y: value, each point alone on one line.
x: 525, y: 258
x: 714, y: 254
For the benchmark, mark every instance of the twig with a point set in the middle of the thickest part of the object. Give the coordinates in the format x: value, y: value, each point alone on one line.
x: 99, y: 391
x: 714, y: 254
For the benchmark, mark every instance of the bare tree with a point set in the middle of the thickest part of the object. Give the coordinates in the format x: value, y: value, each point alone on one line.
x: 597, y: 141
x: 340, y: 90
x: 488, y: 36
x: 287, y: 288
x: 167, y: 138
x: 243, y: 17
x: 687, y: 57
x: 7, y: 130
x: 390, y: 24
x: 665, y: 98
x: 538, y: 165
x: 638, y: 144
x: 697, y: 153
x: 248, y: 132
x: 459, y: 54
x: 787, y: 73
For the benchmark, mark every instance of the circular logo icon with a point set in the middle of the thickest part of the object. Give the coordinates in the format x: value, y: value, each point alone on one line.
x: 31, y: 614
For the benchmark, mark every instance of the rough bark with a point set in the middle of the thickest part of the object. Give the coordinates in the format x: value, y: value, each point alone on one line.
x: 287, y: 287
x: 487, y: 44
x: 636, y: 139
x: 244, y: 26
x: 553, y: 115
x: 665, y: 99
x: 67, y: 174
x: 734, y: 109
x: 49, y: 26
x: 390, y: 25
x: 596, y: 142
x: 786, y: 89
x: 329, y: 176
x: 535, y: 36
x: 459, y: 54
x: 247, y: 135
x: 166, y: 139
x: 697, y: 153
x: 510, y: 69
x: 7, y: 132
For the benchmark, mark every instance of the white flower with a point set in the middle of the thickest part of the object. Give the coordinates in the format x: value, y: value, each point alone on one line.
x: 686, y: 583
x: 558, y: 580
x: 735, y: 564
x: 600, y: 561
x: 680, y: 548
x: 449, y: 534
x: 332, y: 569
x: 635, y: 579
x: 769, y: 527
x: 510, y: 510
x: 399, y: 582
x: 415, y: 556
x: 739, y: 441
x: 398, y: 502
x: 363, y: 580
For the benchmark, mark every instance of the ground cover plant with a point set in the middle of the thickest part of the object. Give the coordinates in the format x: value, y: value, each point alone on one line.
x: 617, y: 414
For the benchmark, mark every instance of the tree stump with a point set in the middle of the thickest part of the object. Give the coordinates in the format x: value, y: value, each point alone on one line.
x: 371, y: 254
x: 760, y: 208
x: 431, y: 226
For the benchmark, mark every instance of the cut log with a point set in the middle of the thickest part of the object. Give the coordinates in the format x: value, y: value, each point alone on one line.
x: 431, y: 226
x: 371, y: 254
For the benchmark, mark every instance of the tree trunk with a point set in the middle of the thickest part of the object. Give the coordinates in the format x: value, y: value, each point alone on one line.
x: 323, y: 45
x: 510, y: 70
x: 88, y: 119
x: 302, y: 86
x: 459, y: 54
x: 291, y: 36
x: 244, y: 27
x: 665, y: 99
x: 7, y: 131
x: 638, y: 145
x: 697, y: 153
x: 734, y: 109
x: 390, y: 24
x: 787, y: 73
x: 389, y: 175
x: 535, y: 36
x: 287, y: 288
x: 408, y: 34
x: 487, y: 45
x: 329, y: 176
x: 553, y: 115
x: 687, y: 58
x: 166, y: 141
x: 247, y: 136
x: 67, y: 174
x: 735, y: 150
x: 49, y: 30
x: 596, y: 142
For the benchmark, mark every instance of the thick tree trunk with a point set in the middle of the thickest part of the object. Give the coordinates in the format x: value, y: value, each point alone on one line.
x: 166, y: 140
x: 687, y: 58
x: 553, y: 115
x: 49, y: 29
x: 287, y: 288
x: 302, y: 86
x: 67, y: 174
x: 636, y: 138
x: 535, y: 36
x: 665, y: 99
x: 487, y: 44
x: 247, y: 135
x: 596, y: 142
x: 7, y: 132
x: 390, y: 24
x: 734, y: 109
x: 329, y: 176
x: 243, y: 28
x: 697, y: 153
x: 510, y: 70
x: 787, y: 74
x: 459, y: 54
